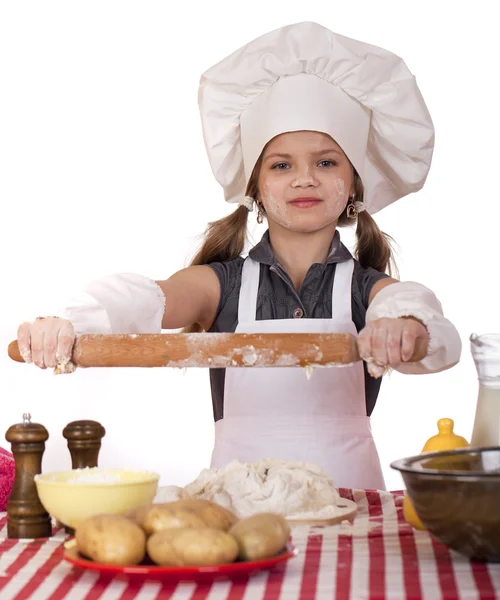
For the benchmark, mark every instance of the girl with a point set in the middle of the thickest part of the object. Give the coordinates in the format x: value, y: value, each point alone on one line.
x: 315, y: 131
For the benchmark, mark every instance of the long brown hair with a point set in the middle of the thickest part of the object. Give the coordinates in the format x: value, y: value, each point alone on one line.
x: 225, y: 239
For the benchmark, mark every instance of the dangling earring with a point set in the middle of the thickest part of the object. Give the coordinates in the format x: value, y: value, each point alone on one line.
x: 352, y: 212
x: 260, y: 214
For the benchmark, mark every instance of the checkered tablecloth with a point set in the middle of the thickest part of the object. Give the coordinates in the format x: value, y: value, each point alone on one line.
x: 377, y: 556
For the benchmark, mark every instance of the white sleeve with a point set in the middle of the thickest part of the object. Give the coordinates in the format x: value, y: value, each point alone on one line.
x: 121, y: 303
x: 410, y: 299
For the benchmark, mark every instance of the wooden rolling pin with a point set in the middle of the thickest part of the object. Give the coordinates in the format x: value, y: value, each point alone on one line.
x: 215, y: 350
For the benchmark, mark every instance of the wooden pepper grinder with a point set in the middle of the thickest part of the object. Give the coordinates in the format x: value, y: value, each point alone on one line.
x: 84, y: 442
x: 26, y: 517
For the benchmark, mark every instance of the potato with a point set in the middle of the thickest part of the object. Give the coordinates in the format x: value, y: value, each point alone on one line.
x: 260, y: 536
x: 139, y: 514
x: 182, y: 513
x: 111, y: 539
x: 213, y: 514
x: 170, y: 516
x: 192, y: 547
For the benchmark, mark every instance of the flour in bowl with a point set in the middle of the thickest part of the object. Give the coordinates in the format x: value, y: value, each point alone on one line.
x: 296, y: 490
x: 86, y: 476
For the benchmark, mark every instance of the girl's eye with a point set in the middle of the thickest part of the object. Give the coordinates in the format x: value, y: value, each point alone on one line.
x: 283, y: 166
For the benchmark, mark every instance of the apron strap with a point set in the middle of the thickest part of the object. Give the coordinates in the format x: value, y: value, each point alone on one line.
x: 341, y: 291
x: 247, y: 305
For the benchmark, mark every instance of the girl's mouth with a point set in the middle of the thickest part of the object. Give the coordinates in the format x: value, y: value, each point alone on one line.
x: 305, y: 202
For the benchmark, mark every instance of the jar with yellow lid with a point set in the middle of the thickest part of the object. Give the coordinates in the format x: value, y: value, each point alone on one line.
x: 445, y: 439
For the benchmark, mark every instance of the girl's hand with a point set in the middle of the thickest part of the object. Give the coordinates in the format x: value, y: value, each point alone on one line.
x: 389, y: 342
x: 48, y: 342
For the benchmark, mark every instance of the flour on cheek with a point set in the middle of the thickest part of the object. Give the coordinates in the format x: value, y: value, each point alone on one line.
x: 276, y: 207
x: 336, y: 200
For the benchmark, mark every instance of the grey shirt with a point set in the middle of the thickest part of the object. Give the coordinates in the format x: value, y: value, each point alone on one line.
x: 278, y: 299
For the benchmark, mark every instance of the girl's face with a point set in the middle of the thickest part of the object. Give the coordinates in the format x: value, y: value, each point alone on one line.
x: 305, y: 181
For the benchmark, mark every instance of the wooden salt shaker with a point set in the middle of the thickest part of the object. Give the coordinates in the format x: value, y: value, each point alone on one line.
x: 26, y: 517
x: 84, y: 442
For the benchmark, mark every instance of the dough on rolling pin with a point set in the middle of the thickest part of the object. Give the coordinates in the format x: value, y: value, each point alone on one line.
x: 64, y: 366
x: 309, y: 371
x: 374, y: 369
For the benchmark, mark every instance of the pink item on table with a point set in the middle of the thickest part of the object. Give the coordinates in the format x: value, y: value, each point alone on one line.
x: 7, y: 475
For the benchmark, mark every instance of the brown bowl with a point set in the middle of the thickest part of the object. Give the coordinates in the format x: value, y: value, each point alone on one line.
x: 456, y: 494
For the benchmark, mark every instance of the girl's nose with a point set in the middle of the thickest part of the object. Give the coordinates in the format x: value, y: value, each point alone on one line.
x: 305, y: 177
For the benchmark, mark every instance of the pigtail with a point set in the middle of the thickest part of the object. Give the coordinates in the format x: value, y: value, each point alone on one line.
x: 224, y: 240
x: 373, y: 247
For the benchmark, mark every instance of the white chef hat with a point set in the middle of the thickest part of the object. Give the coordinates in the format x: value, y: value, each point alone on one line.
x: 305, y: 77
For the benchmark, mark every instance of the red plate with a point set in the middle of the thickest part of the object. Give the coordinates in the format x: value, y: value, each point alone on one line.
x: 235, y: 570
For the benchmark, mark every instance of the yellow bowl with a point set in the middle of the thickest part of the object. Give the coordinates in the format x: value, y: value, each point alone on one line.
x: 72, y: 496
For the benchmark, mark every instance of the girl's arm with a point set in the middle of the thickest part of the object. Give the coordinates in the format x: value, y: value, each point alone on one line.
x: 191, y: 296
x: 122, y: 303
x: 131, y: 303
x: 399, y: 313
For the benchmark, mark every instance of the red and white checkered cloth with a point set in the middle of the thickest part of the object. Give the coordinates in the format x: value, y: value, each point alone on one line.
x: 379, y: 556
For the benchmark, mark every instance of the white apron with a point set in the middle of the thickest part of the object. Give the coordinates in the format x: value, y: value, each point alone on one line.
x: 278, y: 413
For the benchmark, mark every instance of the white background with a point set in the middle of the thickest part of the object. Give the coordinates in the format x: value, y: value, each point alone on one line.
x: 103, y: 169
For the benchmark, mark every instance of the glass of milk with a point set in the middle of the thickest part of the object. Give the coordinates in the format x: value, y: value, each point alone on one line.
x: 485, y: 351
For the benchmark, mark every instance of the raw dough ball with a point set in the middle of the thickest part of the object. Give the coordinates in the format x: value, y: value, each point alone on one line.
x: 296, y: 490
